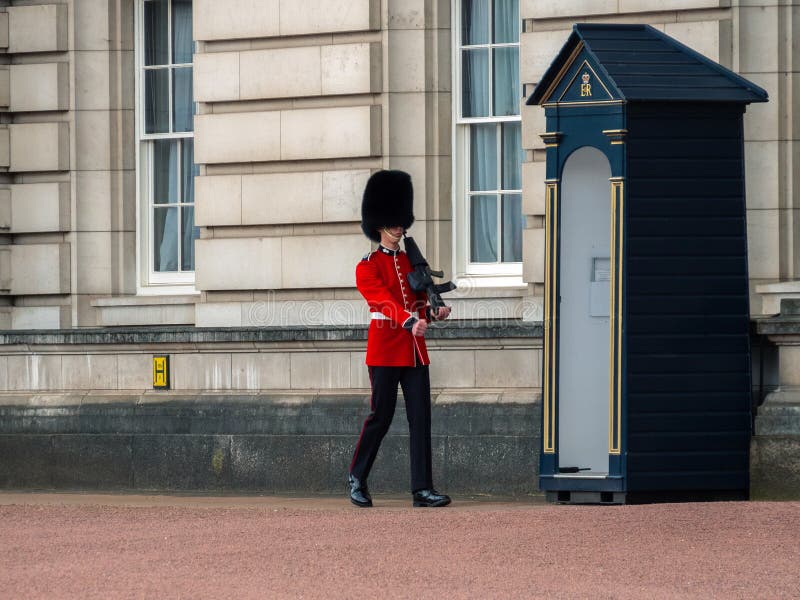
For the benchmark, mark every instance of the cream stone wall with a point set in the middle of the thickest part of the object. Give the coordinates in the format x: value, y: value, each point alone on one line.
x: 67, y: 98
x: 296, y: 107
x: 296, y: 104
x: 487, y: 366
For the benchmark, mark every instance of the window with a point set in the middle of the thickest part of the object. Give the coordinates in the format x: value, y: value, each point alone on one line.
x: 166, y: 144
x: 488, y: 148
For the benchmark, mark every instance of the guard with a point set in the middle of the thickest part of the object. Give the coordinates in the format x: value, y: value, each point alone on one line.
x: 396, y: 352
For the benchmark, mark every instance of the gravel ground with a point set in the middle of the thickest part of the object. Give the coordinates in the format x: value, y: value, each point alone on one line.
x: 79, y: 546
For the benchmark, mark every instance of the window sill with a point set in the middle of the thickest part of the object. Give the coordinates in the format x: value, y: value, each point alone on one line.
x: 161, y: 309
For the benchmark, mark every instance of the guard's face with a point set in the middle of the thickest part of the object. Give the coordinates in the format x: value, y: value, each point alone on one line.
x: 391, y: 235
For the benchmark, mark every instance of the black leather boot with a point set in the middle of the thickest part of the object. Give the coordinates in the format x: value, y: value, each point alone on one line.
x: 359, y: 494
x: 430, y: 498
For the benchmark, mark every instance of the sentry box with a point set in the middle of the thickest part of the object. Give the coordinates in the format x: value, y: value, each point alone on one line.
x: 646, y: 347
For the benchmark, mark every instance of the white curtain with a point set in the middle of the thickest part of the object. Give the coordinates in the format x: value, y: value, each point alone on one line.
x: 512, y: 203
x: 507, y: 89
x: 189, y: 232
x: 507, y: 92
x: 165, y: 220
x: 475, y: 63
x: 483, y: 208
x: 181, y: 54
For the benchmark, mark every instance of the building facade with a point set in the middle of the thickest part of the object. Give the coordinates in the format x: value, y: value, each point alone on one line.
x: 184, y: 178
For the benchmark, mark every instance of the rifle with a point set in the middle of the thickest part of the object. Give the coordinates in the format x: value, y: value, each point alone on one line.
x: 421, y: 278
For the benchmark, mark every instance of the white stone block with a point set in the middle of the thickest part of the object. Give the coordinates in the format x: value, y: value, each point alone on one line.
x: 39, y: 269
x: 4, y: 30
x: 341, y: 194
x: 335, y: 267
x: 359, y: 374
x: 89, y: 371
x: 320, y: 370
x: 758, y: 46
x: 41, y: 28
x: 200, y: 371
x: 134, y: 371
x: 102, y: 200
x: 515, y: 368
x: 536, y: 9
x: 94, y: 150
x: 93, y: 80
x: 35, y: 317
x: 237, y: 137
x: 350, y: 69
x: 238, y: 264
x: 709, y: 38
x: 34, y: 372
x: 533, y: 187
x: 235, y: 19
x: 216, y: 76
x: 5, y: 83
x: 39, y: 207
x: 218, y: 314
x: 408, y: 124
x: 5, y: 146
x: 282, y: 198
x: 145, y: 310
x: 5, y: 208
x: 533, y: 124
x: 39, y: 146
x: 93, y: 257
x: 5, y: 268
x: 632, y: 6
x: 345, y: 132
x: 218, y: 200
x: 533, y: 256
x: 261, y: 371
x: 452, y: 368
x: 407, y: 60
x: 537, y: 51
x: 762, y: 173
x: 280, y: 73
x: 280, y: 313
x: 763, y: 244
x: 328, y: 16
x: 37, y: 87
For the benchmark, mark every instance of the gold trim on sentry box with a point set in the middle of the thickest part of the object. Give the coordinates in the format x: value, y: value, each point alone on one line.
x: 564, y: 69
x: 615, y: 322
x: 550, y: 317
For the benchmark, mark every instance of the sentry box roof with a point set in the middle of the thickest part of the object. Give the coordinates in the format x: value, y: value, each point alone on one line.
x: 638, y: 63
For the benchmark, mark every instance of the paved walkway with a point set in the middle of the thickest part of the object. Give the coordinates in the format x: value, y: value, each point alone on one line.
x: 136, y: 546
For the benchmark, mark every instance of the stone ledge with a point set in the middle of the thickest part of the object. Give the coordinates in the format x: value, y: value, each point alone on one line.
x: 482, y: 329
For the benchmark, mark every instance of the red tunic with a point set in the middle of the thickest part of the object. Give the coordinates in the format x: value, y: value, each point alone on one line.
x: 381, y: 279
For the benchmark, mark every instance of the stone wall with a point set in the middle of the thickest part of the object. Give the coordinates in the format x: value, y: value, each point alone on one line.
x: 67, y: 159
x: 268, y: 409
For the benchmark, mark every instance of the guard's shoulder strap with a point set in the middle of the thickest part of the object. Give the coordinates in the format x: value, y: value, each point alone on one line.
x: 368, y: 255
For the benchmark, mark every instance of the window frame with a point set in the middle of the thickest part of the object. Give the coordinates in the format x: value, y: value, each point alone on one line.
x: 149, y: 281
x: 499, y: 273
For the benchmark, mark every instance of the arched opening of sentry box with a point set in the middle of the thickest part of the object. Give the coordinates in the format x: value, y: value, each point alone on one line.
x: 584, y: 269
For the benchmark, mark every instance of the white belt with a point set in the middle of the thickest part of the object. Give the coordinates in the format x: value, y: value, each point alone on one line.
x: 379, y: 316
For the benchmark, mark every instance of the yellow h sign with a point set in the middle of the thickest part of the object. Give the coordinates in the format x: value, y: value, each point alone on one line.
x: 161, y: 372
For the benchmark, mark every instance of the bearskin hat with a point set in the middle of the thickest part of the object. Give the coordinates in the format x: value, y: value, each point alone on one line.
x: 388, y: 202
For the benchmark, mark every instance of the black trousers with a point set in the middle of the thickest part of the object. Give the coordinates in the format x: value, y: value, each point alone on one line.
x: 416, y: 385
